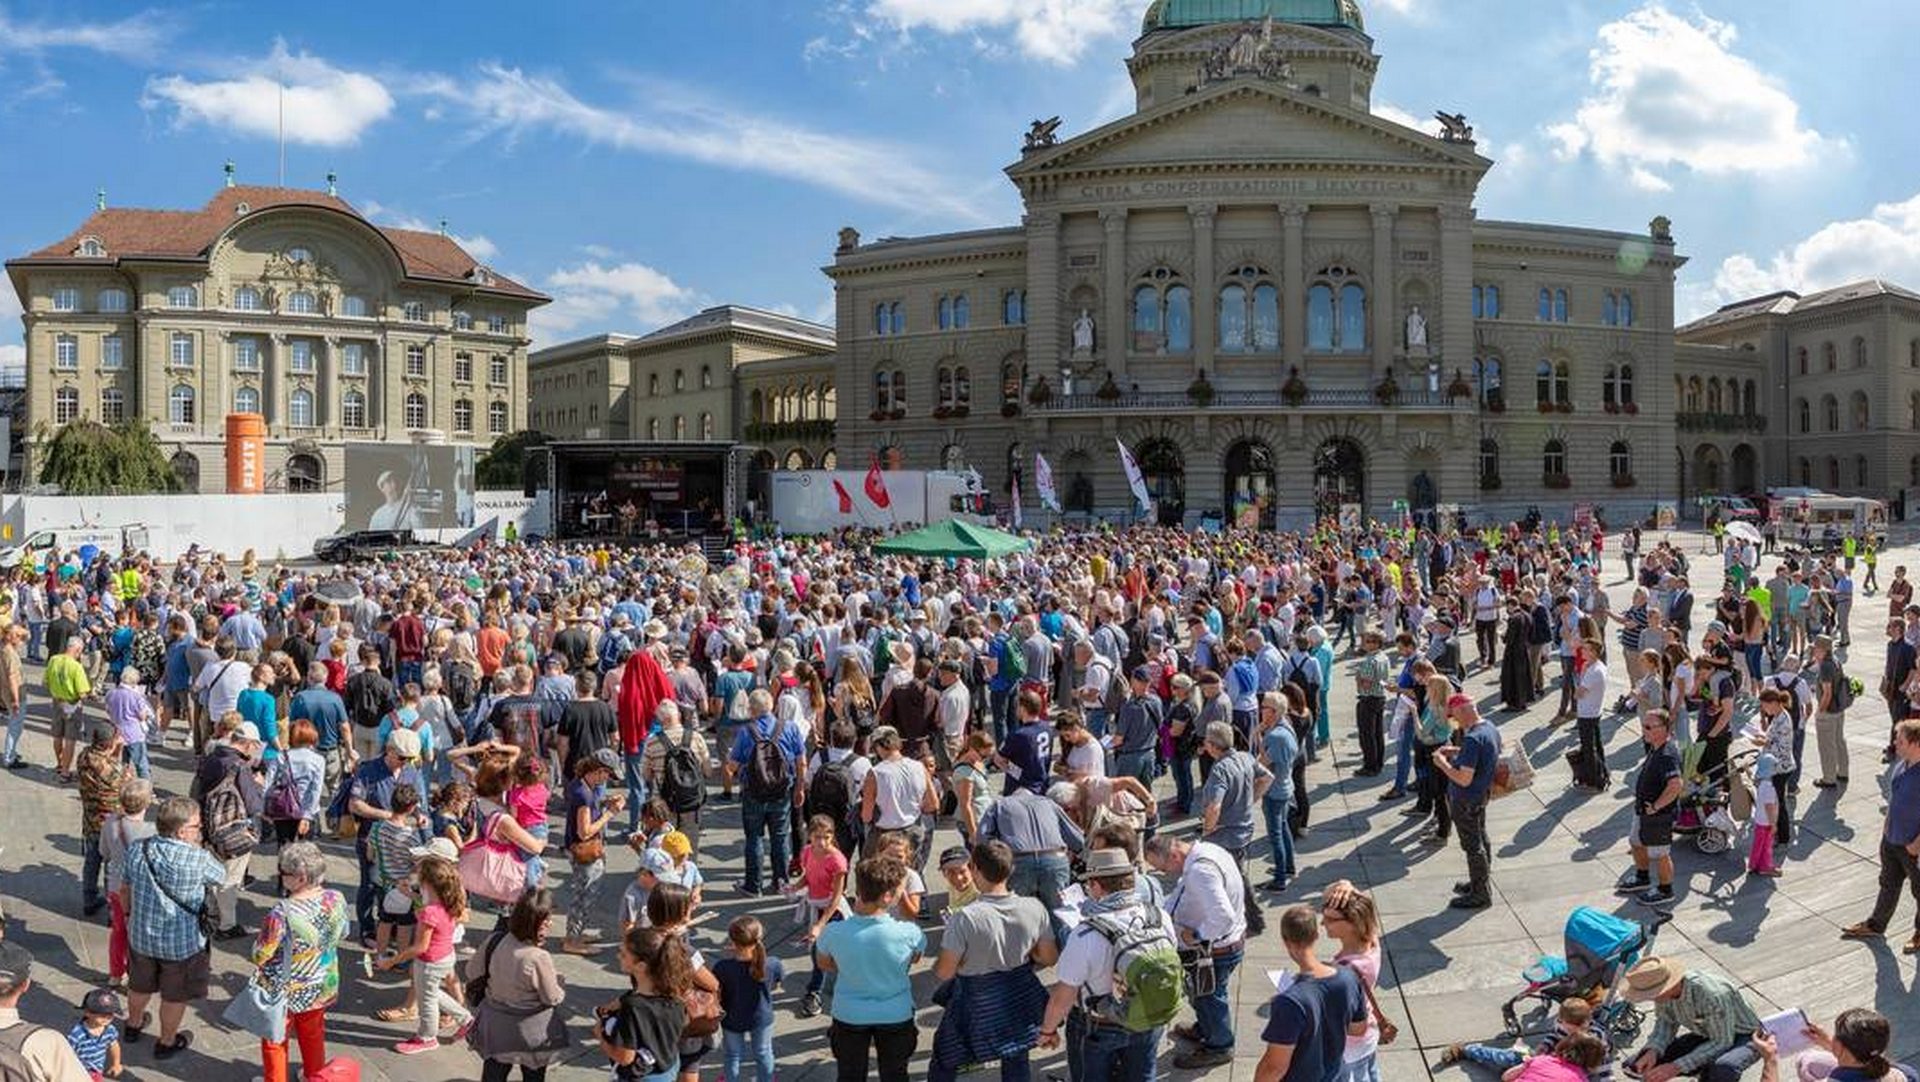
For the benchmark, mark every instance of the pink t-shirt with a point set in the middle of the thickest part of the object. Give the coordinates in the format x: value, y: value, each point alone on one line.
x: 1366, y: 966
x: 819, y: 866
x: 1550, y: 1068
x: 529, y: 804
x: 437, y: 925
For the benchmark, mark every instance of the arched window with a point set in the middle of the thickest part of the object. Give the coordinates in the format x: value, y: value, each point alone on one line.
x: 1800, y: 356
x: 679, y: 380
x: 896, y: 319
x: 796, y: 460
x: 1012, y: 378
x: 1179, y: 319
x: 66, y: 405
x: 880, y: 323
x: 180, y: 404
x: 1620, y: 461
x: 1833, y: 472
x: 1750, y: 400
x: 463, y: 415
x: 186, y: 470
x: 829, y: 403
x: 946, y: 313
x: 1859, y: 355
x: 1695, y: 391
x: 1827, y: 354
x: 1544, y: 311
x: 1860, y: 471
x: 1552, y: 385
x: 943, y: 382
x: 1489, y: 463
x: 1543, y: 383
x: 1609, y: 311
x: 653, y: 428
x: 1713, y: 395
x: 300, y: 408
x: 353, y: 410
x: 414, y: 412
x: 757, y: 407
x: 1491, y: 307
x: 1320, y: 318
x: 899, y: 388
x: 706, y: 426
x: 883, y: 390
x: 1337, y: 311
x: 246, y: 399
x: 1617, y: 387
x: 706, y: 377
x: 246, y: 299
x: 679, y: 427
x: 1013, y: 307
x: 1486, y: 379
x: 1249, y: 320
x: 962, y: 387
x: 1806, y: 473
x: 1553, y: 459
x: 302, y: 302
x: 1830, y: 413
x: 183, y: 297
x: 1805, y: 412
x: 962, y: 313
x: 1626, y: 309
x: 1559, y: 306
x: 1862, y: 412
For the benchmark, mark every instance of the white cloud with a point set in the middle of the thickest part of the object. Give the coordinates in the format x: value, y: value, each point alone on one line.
x: 1884, y: 244
x: 1669, y: 91
x: 594, y: 298
x: 322, y: 105
x: 134, y: 38
x: 1055, y: 31
x: 477, y: 245
x: 674, y: 123
x: 1386, y: 110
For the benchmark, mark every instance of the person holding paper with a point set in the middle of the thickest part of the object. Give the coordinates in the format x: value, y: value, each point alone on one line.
x: 1857, y: 1047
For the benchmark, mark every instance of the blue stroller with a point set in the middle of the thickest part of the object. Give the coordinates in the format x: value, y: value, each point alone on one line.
x: 1600, y: 948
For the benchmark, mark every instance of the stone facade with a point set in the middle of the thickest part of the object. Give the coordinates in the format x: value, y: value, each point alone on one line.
x: 1821, y: 390
x: 578, y: 390
x: 1276, y: 299
x: 277, y: 301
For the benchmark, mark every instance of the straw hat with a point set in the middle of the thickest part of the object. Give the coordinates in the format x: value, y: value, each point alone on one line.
x: 1651, y: 979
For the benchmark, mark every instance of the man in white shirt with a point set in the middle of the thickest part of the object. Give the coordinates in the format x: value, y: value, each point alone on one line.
x: 896, y: 792
x: 1208, y: 906
x: 951, y: 713
x: 1096, y: 682
x: 1096, y: 1047
x: 1590, y: 698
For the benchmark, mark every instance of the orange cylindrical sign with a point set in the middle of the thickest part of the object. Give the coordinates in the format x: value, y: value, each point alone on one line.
x: 246, y: 452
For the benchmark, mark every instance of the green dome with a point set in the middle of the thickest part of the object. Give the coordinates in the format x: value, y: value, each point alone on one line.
x: 1180, y: 14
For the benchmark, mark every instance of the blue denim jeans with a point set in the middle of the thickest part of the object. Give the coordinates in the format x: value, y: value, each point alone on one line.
x: 1403, y: 756
x: 771, y: 816
x: 137, y: 755
x: 1279, y: 834
x: 1137, y: 765
x: 1000, y: 705
x: 759, y: 1042
x: 1361, y: 1070
x: 16, y: 721
x: 636, y: 791
x: 1110, y: 1053
x: 1183, y: 783
x: 1499, y: 1059
x: 1043, y: 878
x: 91, y: 867
x: 1213, y: 1013
x: 1096, y: 719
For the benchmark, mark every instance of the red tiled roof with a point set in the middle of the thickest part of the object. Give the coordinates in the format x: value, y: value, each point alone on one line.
x: 129, y: 233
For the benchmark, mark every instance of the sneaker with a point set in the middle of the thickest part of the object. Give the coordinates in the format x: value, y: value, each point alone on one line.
x: 1632, y: 882
x: 1656, y: 896
x: 1452, y: 1053
x: 413, y: 1046
x: 810, y: 1005
x: 1201, y: 1059
x: 1393, y: 794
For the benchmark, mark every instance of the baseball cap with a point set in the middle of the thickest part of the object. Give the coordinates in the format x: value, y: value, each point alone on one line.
x: 656, y: 861
x: 953, y: 854
x: 247, y: 731
x: 605, y: 757
x: 100, y: 1001
x: 438, y: 848
x: 402, y: 742
x: 1143, y: 673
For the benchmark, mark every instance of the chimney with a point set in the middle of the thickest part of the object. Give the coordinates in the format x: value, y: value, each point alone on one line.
x: 229, y: 172
x: 333, y: 183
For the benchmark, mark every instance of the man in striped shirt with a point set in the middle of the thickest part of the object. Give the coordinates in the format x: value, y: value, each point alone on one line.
x: 1701, y: 1024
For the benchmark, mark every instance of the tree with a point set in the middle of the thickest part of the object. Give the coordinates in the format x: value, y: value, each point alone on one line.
x: 504, y: 463
x: 87, y: 458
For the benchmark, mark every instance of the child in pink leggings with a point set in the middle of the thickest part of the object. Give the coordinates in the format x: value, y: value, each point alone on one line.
x: 1766, y: 812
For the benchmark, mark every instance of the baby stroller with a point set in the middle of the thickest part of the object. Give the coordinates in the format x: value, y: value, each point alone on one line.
x: 1600, y: 949
x: 1716, y: 803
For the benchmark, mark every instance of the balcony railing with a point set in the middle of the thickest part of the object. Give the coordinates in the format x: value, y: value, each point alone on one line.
x: 1359, y: 398
x: 1702, y: 421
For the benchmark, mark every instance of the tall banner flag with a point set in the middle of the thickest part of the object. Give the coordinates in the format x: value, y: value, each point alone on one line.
x: 1135, y: 480
x: 1043, y: 483
x: 877, y: 487
x: 846, y: 498
x: 1016, y: 503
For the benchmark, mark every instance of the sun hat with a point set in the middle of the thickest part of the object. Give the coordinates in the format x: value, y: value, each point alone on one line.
x: 402, y: 742
x: 1652, y: 979
x: 1100, y: 863
x: 438, y: 849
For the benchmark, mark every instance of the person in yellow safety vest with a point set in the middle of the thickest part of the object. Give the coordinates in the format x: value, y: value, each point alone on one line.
x: 129, y: 584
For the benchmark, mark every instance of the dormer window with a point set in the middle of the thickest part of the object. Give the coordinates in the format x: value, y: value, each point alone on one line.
x: 481, y: 275
x: 90, y: 248
x: 299, y: 254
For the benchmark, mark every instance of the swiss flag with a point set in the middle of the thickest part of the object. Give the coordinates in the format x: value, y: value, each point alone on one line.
x: 846, y: 498
x: 876, y: 487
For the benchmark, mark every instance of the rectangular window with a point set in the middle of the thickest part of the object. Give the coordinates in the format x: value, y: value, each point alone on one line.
x: 66, y: 352
x: 183, y: 297
x: 246, y: 354
x: 112, y: 353
x: 463, y: 321
x: 497, y: 418
x: 113, y: 300
x: 414, y: 312
x: 463, y: 368
x: 300, y: 355
x: 180, y: 351
x: 497, y: 370
x: 416, y: 360
x: 497, y: 324
x: 353, y: 306
x: 113, y: 406
x: 66, y: 299
x: 353, y: 359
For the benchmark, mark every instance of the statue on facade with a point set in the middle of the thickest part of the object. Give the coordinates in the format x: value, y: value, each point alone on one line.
x: 1041, y: 134
x: 849, y: 239
x: 1661, y: 228
x: 1083, y: 333
x: 1454, y: 127
x: 1416, y: 329
x: 1251, y: 52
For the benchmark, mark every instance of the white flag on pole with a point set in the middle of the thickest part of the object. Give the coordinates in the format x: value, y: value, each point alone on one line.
x: 1135, y: 480
x: 1043, y: 483
x: 1016, y: 502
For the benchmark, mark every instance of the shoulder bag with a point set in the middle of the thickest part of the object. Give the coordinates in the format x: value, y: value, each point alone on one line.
x: 207, y: 920
x: 259, y: 1010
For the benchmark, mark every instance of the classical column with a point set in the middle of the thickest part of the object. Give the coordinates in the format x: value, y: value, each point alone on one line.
x: 1386, y: 338
x: 1044, y: 317
x: 326, y: 382
x: 1293, y: 284
x: 1204, y: 307
x: 1456, y: 296
x: 1113, y: 330
x: 274, y: 370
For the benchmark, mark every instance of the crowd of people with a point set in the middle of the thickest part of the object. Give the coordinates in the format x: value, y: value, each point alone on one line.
x: 436, y: 754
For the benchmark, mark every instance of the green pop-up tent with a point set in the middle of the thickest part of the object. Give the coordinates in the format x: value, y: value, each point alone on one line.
x: 954, y: 538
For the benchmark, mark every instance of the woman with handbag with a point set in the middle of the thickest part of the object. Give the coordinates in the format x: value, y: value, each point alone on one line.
x: 493, y: 865
x: 1350, y: 917
x: 296, y: 784
x: 297, y: 963
x: 589, y: 809
x: 515, y: 995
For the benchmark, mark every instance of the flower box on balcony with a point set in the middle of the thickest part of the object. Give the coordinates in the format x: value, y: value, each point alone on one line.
x: 1623, y: 480
x: 1557, y: 480
x: 1612, y: 407
x: 1565, y: 407
x: 1009, y: 409
x: 877, y: 415
x: 1546, y: 407
x: 1632, y: 408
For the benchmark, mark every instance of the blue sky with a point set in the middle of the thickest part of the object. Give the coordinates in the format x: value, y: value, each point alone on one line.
x: 640, y: 160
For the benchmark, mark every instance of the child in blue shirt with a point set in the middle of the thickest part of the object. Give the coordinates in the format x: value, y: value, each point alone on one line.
x: 95, y: 1039
x: 747, y: 979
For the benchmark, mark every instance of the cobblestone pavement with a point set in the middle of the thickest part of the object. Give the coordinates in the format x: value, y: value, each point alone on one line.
x: 1447, y: 971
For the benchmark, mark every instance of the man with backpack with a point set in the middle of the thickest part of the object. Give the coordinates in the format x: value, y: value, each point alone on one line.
x: 231, y: 801
x: 769, y: 755
x: 28, y: 1051
x: 369, y: 697
x: 1208, y: 905
x: 836, y: 777
x: 674, y: 766
x: 1118, y: 981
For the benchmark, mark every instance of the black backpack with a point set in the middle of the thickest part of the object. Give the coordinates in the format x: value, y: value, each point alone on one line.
x: 769, y: 774
x: 683, y: 783
x: 830, y: 793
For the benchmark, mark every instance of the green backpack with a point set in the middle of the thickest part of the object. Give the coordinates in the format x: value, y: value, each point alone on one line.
x: 1148, y: 982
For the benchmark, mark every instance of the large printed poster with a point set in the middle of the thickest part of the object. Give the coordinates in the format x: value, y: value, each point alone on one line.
x: 408, y: 486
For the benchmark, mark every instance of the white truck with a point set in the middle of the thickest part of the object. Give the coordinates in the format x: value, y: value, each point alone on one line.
x: 35, y: 547
x: 819, y: 501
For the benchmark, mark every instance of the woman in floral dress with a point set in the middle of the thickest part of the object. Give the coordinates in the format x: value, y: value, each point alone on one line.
x: 298, y: 955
